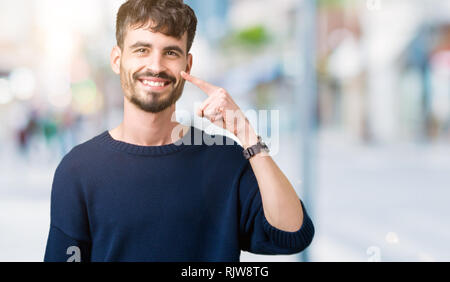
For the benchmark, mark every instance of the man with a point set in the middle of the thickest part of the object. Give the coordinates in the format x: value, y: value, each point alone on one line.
x: 144, y: 191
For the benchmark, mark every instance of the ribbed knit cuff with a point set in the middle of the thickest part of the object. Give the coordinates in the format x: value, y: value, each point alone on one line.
x: 298, y: 240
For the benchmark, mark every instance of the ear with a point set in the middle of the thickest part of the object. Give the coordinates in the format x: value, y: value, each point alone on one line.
x: 116, y: 54
x: 189, y: 64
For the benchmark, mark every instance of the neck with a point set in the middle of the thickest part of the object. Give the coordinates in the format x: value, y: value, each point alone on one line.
x: 148, y: 129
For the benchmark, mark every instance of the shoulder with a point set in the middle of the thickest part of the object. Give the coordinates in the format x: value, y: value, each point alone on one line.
x: 80, y: 155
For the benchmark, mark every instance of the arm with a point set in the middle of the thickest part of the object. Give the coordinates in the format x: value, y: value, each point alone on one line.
x: 69, y: 236
x: 281, y: 204
x: 63, y: 248
x: 282, y: 207
x: 257, y: 235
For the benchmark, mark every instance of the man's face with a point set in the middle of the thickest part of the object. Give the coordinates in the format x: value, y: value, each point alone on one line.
x: 150, y: 66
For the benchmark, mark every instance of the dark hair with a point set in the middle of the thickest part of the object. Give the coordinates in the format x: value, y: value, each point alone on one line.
x: 170, y: 17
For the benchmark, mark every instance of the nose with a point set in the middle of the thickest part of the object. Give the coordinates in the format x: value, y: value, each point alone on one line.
x: 156, y: 63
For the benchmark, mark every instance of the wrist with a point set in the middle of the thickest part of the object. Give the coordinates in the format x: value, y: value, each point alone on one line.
x: 259, y: 149
x: 248, y: 138
x: 250, y: 142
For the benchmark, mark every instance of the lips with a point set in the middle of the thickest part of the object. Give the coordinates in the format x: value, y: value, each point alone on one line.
x: 154, y: 83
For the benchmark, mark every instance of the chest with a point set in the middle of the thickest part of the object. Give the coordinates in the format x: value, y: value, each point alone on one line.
x: 157, y: 200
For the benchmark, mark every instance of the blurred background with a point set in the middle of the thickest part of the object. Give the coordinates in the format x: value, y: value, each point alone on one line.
x: 362, y: 88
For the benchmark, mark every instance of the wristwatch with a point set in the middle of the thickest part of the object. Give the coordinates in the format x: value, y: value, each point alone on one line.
x: 256, y: 149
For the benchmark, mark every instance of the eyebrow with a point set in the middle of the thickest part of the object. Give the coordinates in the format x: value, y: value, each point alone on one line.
x: 149, y: 45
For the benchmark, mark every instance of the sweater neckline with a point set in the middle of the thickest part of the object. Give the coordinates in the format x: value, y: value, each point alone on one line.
x: 106, y: 139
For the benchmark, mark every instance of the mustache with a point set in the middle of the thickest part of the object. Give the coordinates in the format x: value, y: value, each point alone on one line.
x: 162, y: 75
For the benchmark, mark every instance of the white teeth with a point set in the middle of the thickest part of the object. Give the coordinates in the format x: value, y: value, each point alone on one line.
x: 153, y: 83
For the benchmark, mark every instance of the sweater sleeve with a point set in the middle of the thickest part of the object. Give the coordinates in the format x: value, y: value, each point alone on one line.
x: 257, y: 234
x: 69, y: 236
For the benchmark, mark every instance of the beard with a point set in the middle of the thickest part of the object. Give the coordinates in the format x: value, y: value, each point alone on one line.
x: 149, y: 101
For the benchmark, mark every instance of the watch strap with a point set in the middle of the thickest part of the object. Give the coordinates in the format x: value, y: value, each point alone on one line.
x: 255, y: 149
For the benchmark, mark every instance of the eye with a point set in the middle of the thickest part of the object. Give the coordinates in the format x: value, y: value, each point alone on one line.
x: 172, y: 53
x: 141, y: 50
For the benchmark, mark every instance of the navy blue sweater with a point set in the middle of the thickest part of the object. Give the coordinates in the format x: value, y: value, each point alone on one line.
x: 114, y: 201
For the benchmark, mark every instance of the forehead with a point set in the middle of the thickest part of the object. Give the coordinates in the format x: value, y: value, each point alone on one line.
x: 134, y: 34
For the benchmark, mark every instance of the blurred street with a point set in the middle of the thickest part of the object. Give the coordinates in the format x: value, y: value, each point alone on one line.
x: 375, y: 198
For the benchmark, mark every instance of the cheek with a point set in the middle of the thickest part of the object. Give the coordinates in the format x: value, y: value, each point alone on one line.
x: 130, y: 66
x: 178, y: 65
x: 177, y: 69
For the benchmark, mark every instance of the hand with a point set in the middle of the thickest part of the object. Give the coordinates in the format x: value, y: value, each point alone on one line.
x: 221, y: 110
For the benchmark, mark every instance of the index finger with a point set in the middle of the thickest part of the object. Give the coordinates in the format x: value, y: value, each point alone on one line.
x: 203, y: 85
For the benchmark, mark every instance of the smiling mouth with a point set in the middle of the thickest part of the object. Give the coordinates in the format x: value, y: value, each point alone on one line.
x: 154, y: 85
